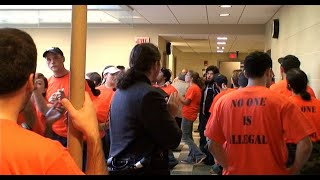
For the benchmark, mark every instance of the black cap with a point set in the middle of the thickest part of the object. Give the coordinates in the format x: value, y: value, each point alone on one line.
x: 55, y: 50
x: 242, y: 81
x: 219, y: 79
x: 290, y: 62
x: 280, y: 60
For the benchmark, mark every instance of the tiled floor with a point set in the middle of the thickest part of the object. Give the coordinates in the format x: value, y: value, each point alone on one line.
x: 187, y: 169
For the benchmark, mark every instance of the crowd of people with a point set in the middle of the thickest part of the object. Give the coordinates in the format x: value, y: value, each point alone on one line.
x: 133, y: 119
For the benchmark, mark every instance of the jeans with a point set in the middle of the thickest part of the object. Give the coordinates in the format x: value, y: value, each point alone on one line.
x: 194, y: 152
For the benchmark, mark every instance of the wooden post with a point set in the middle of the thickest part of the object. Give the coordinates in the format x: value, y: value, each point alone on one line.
x: 77, y: 80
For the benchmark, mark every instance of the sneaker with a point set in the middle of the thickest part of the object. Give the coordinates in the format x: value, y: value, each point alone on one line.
x: 198, y: 161
x: 187, y: 161
x: 216, y: 170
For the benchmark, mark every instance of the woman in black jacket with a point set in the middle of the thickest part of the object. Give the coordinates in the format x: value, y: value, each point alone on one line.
x: 142, y: 125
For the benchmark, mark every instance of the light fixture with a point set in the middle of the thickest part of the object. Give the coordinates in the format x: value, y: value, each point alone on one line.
x: 224, y: 15
x: 220, y: 51
x: 222, y: 38
x: 223, y: 43
x: 222, y: 47
x: 218, y: 47
x: 225, y: 6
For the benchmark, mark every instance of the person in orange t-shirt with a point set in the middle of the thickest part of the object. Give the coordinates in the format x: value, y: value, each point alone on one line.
x: 58, y: 81
x: 102, y: 104
x: 297, y: 83
x: 31, y: 115
x: 190, y: 110
x: 248, y: 126
x: 163, y: 82
x: 23, y: 152
x: 287, y: 63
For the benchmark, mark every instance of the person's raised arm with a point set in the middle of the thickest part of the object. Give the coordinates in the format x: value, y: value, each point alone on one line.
x: 85, y: 120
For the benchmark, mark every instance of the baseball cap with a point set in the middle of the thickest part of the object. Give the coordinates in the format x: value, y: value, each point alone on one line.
x: 290, y: 62
x: 242, y: 81
x: 111, y: 70
x: 220, y: 79
x: 280, y: 60
x: 55, y: 50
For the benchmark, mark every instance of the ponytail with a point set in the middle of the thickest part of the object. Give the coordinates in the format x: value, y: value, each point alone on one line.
x: 129, y: 78
x: 305, y: 95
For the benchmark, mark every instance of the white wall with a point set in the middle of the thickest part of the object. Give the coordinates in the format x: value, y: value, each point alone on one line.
x: 105, y: 46
x: 300, y: 36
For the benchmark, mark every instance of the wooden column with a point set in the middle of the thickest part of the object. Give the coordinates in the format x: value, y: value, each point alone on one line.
x: 77, y: 77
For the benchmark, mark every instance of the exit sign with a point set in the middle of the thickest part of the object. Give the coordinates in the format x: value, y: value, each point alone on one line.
x: 232, y: 55
x: 140, y: 40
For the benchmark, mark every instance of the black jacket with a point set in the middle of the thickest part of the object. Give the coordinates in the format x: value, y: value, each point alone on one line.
x: 140, y: 123
x: 209, y: 99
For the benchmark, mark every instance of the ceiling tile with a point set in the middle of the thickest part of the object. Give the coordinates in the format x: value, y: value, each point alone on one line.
x: 182, y: 13
x: 258, y: 14
x: 156, y: 14
x: 214, y: 12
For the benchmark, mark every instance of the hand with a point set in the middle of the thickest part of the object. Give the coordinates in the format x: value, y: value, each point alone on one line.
x: 292, y: 170
x: 173, y: 104
x: 84, y: 119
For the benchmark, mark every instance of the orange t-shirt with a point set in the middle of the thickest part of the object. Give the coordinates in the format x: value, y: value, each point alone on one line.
x: 311, y: 109
x: 219, y: 95
x: 190, y: 112
x: 252, y: 122
x: 102, y: 104
x: 39, y: 124
x: 281, y: 87
x: 60, y: 126
x: 23, y: 152
x: 169, y: 89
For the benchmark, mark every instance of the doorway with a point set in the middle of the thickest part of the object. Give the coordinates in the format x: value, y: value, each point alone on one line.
x: 226, y: 69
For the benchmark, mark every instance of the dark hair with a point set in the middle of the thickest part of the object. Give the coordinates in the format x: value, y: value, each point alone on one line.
x: 166, y: 74
x: 256, y: 63
x: 298, y: 81
x: 142, y: 58
x: 214, y: 69
x: 220, y: 79
x: 45, y: 80
x: 95, y: 92
x: 95, y: 77
x: 196, y: 79
x: 18, y: 59
x: 235, y: 77
x: 243, y: 80
x: 121, y: 67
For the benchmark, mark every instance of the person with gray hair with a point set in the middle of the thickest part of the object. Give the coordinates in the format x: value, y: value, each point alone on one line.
x: 181, y: 87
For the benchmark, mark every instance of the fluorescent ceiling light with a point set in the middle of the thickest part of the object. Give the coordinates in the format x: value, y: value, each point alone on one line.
x: 222, y: 38
x: 220, y: 51
x: 218, y: 47
x: 225, y: 6
x: 224, y: 15
x: 223, y: 43
x: 222, y: 47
